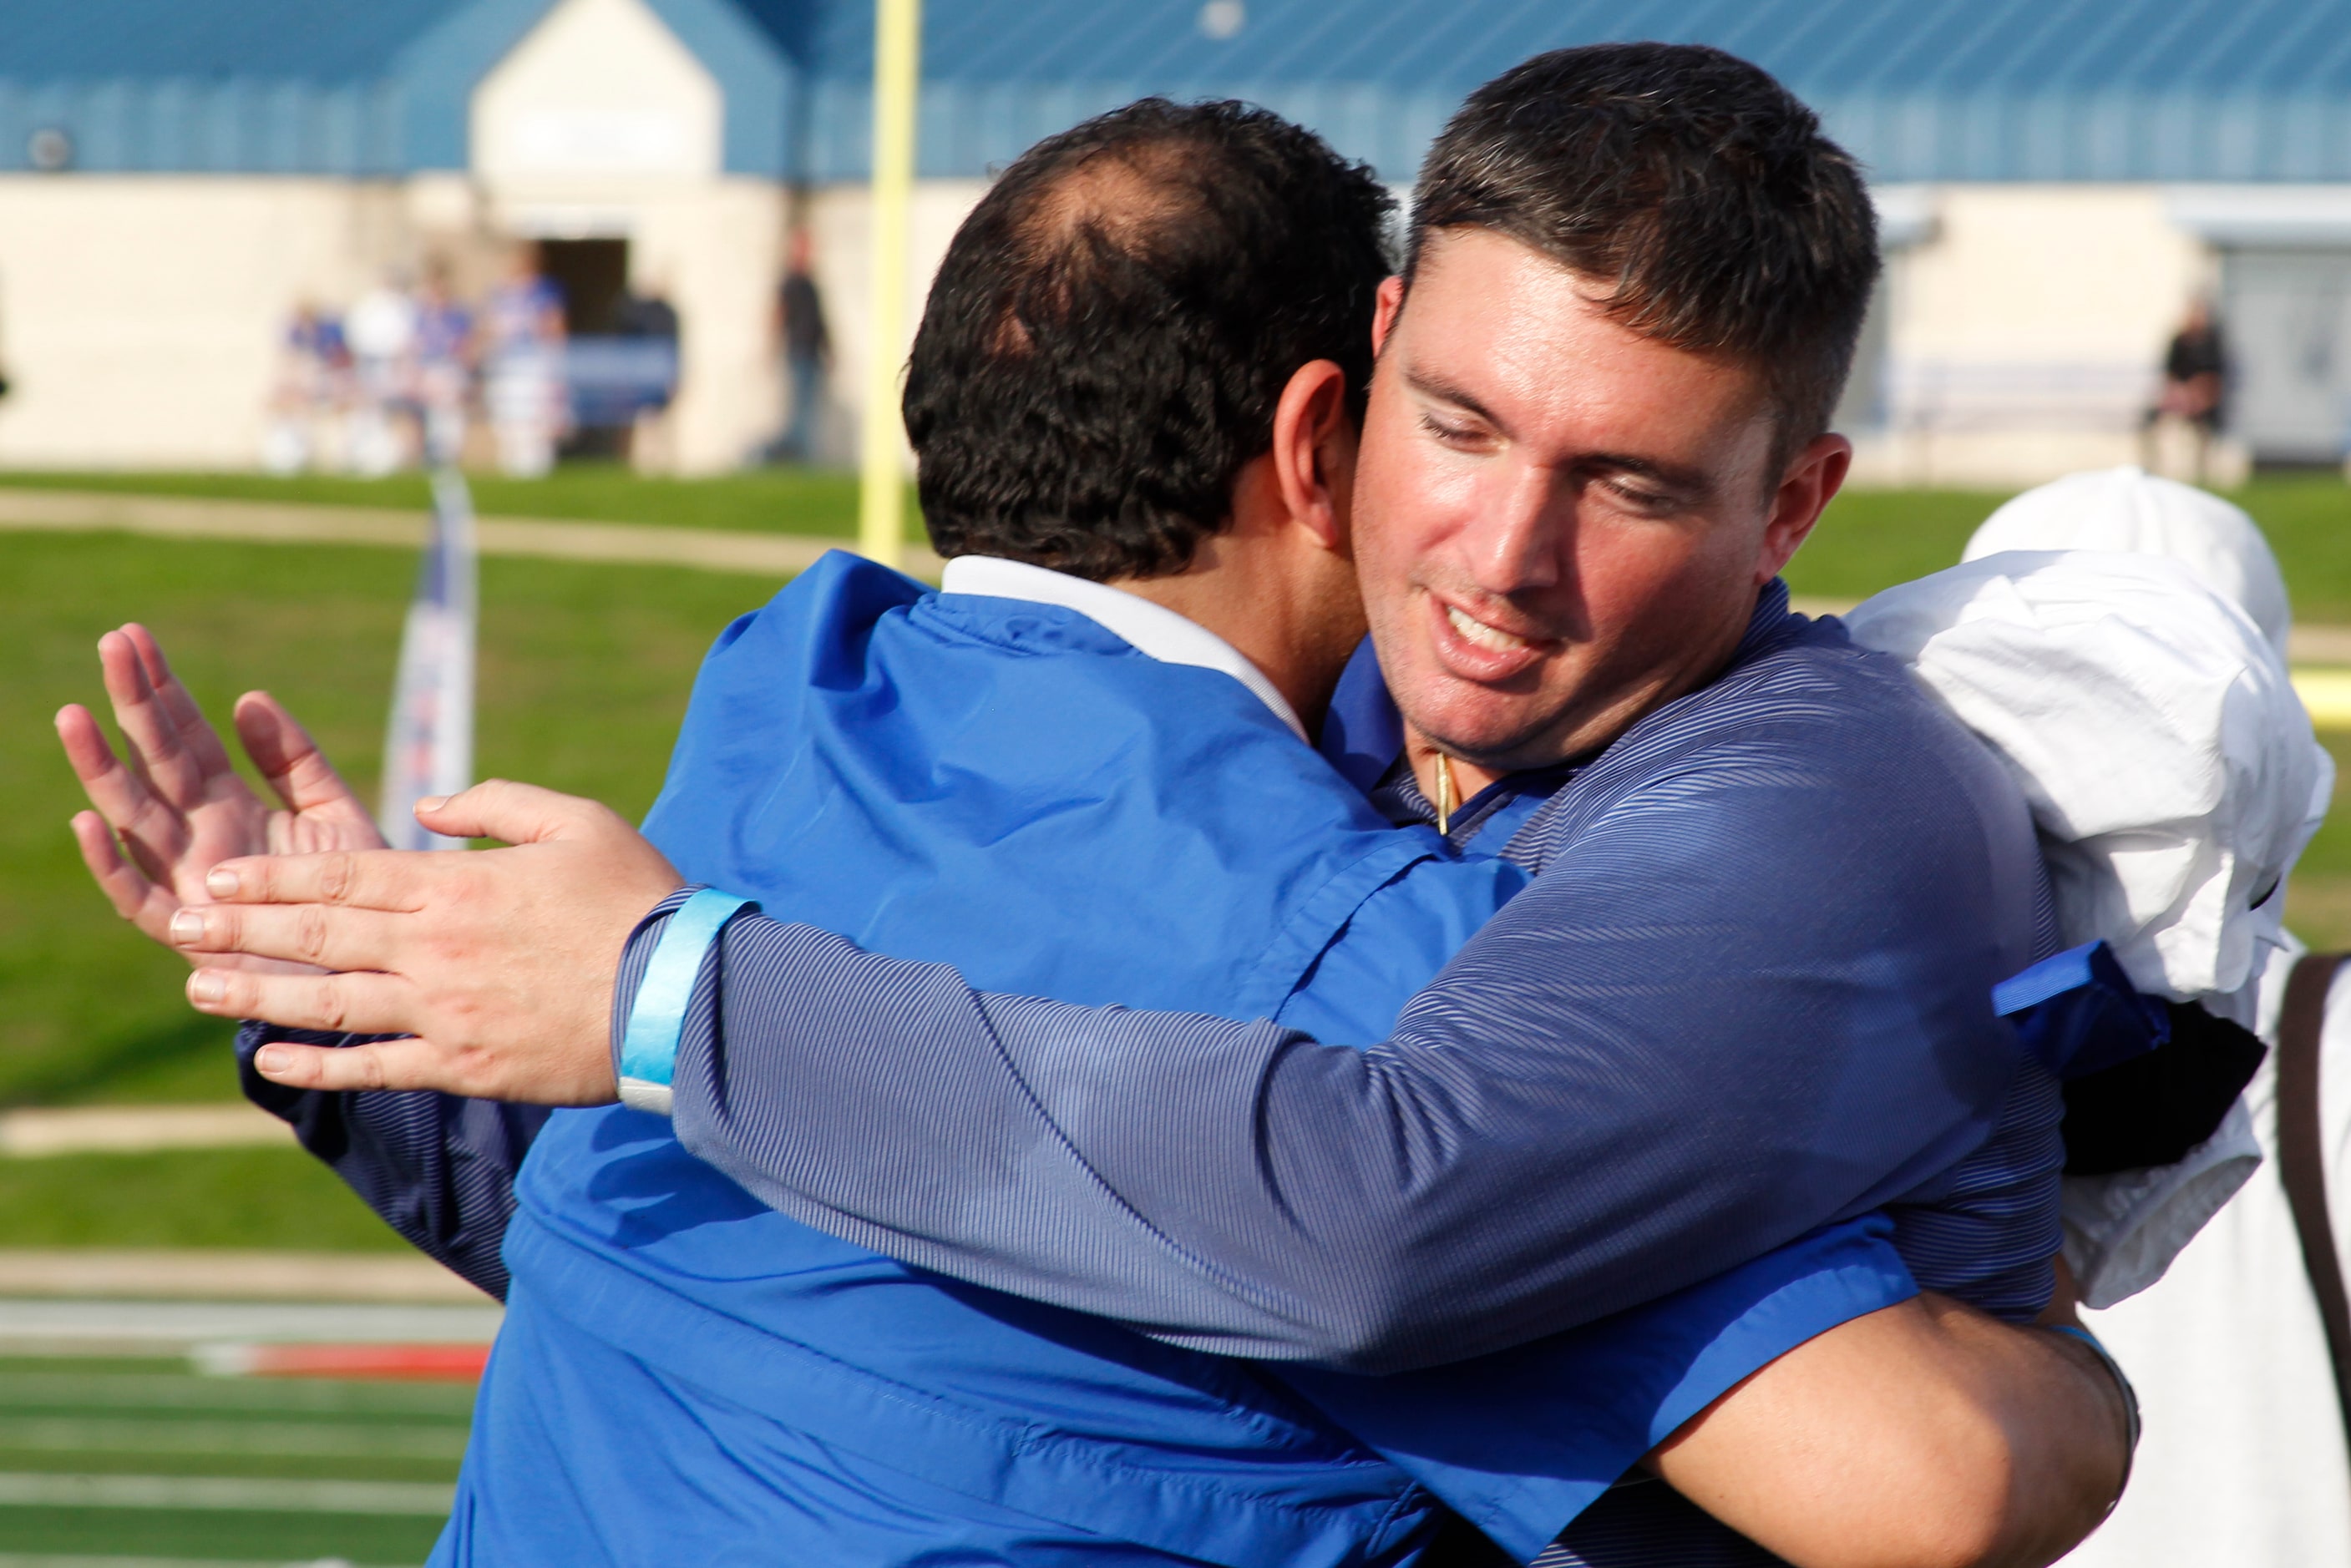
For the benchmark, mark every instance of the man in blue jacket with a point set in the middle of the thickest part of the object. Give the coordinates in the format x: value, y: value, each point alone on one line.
x: 641, y: 1288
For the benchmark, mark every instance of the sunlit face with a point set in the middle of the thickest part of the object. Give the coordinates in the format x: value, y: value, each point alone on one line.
x: 1557, y: 524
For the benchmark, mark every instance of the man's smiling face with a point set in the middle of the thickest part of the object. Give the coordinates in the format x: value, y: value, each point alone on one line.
x: 1558, y: 524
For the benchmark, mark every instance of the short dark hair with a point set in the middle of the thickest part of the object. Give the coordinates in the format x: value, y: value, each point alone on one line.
x: 1110, y: 331
x: 1690, y: 181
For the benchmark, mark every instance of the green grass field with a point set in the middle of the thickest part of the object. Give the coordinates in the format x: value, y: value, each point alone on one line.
x: 813, y: 500
x: 584, y: 673
x: 107, y: 1461
x: 1872, y: 539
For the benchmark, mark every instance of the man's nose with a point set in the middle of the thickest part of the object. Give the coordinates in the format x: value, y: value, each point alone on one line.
x: 1518, y: 541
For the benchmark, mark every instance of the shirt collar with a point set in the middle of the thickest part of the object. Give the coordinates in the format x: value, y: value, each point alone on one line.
x: 1364, y: 734
x: 1153, y: 630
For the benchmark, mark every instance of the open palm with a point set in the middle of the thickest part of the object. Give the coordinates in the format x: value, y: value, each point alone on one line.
x: 175, y: 808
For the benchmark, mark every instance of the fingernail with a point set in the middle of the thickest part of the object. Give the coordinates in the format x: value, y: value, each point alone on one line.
x: 187, y: 926
x: 431, y: 803
x: 272, y: 1059
x: 221, y: 882
x: 205, y: 987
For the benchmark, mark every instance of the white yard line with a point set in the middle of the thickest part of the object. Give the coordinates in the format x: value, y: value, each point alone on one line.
x: 129, y: 1129
x: 274, y: 522
x: 367, y: 1438
x: 161, y: 1326
x: 34, y: 1489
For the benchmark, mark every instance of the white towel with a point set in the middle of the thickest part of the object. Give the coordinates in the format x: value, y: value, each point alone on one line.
x: 2173, y: 777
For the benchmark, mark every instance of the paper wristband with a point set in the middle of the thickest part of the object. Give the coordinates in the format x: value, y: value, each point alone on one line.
x: 649, y: 1048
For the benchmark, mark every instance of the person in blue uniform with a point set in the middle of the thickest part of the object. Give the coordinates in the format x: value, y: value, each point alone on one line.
x: 681, y: 1318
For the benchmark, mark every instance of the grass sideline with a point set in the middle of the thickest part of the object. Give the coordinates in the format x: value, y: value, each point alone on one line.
x: 1872, y: 539
x: 280, y: 1198
x: 818, y: 502
x: 584, y: 673
x: 1869, y: 540
x: 153, y: 1416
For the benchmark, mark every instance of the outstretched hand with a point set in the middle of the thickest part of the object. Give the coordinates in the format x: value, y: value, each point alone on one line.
x: 500, y: 964
x: 176, y: 808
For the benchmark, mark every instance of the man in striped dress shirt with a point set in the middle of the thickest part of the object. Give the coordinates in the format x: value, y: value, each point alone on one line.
x: 1792, y: 769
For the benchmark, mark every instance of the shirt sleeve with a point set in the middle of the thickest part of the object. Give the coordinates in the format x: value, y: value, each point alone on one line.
x: 438, y: 1169
x: 1750, y: 999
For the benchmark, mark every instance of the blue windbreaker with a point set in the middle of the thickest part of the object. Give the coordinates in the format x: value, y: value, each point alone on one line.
x: 688, y: 1377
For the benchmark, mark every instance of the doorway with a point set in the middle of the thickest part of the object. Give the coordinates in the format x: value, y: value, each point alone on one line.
x: 594, y: 276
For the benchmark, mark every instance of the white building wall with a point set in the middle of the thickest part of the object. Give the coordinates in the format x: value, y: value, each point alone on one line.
x: 140, y: 315
x: 598, y: 87
x: 2027, y: 327
x: 840, y: 218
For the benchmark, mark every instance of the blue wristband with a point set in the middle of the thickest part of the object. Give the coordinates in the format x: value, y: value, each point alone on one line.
x: 649, y: 1048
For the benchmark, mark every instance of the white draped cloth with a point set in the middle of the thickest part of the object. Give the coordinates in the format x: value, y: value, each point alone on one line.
x: 2244, y: 1461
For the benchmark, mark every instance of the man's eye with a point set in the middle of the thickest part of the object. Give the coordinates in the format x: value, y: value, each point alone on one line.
x: 1638, y: 498
x: 1449, y: 432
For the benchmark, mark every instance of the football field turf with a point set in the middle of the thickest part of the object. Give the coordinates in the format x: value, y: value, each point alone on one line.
x: 144, y: 1463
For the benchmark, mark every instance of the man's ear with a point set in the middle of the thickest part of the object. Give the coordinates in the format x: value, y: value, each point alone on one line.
x: 1387, y: 306
x: 1314, y: 451
x: 1807, y: 487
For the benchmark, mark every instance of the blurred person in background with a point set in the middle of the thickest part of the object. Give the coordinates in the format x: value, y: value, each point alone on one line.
x: 2194, y: 391
x: 445, y: 368
x: 522, y: 370
x: 313, y: 369
x: 381, y: 331
x: 648, y: 320
x: 808, y: 354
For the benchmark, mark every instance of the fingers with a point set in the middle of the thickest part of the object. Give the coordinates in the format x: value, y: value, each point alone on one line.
x: 180, y: 709
x: 156, y: 833
x: 132, y: 894
x: 423, y: 1063
x: 384, y: 1064
x: 114, y: 789
x: 389, y: 879
x: 319, y: 934
x: 516, y: 812
x: 149, y: 733
x: 297, y: 769
x: 333, y: 1003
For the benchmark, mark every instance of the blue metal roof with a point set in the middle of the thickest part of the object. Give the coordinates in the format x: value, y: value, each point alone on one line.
x: 356, y: 87
x: 1922, y: 89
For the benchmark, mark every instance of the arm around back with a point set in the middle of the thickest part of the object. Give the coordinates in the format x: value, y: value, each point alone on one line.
x: 1923, y: 1435
x: 1749, y: 996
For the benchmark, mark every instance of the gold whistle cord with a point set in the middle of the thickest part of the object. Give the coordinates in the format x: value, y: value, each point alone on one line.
x: 1446, y: 796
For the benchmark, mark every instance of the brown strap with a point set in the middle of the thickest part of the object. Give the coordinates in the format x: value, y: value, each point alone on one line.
x: 2301, y: 1159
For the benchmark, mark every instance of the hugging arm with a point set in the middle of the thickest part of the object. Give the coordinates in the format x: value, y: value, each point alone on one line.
x: 1776, y: 1028
x: 1925, y: 1434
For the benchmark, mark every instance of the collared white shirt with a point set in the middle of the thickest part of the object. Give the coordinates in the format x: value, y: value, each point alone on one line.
x: 1153, y: 630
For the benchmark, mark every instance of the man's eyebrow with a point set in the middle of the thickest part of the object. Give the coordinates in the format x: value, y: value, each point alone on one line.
x: 1451, y: 392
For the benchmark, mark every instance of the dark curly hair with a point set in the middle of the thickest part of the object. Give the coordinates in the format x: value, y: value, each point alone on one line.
x: 1113, y: 326
x: 1690, y: 181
